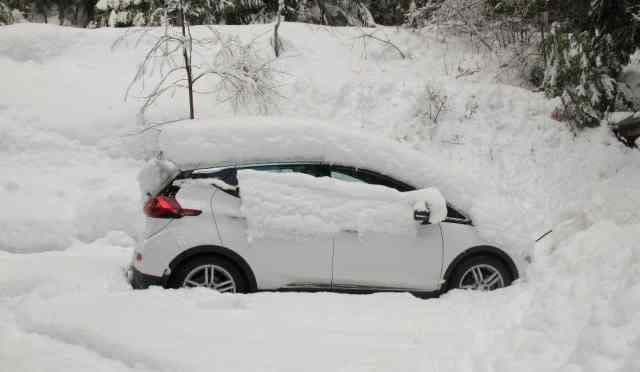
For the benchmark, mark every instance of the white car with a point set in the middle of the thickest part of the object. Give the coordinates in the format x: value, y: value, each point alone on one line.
x: 196, y: 233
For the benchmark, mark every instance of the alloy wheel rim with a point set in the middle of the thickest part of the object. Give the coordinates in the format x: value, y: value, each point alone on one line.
x: 481, y: 277
x: 210, y: 276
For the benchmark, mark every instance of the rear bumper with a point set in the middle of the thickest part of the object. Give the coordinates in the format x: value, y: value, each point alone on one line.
x: 140, y: 280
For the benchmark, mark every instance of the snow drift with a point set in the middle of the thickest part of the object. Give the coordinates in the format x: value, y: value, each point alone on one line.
x: 580, y: 313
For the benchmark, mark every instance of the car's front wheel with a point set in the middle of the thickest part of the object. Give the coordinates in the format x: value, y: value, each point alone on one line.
x: 480, y: 273
x: 212, y: 272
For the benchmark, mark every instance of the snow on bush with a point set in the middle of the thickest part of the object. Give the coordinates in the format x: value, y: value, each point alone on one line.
x: 6, y: 15
x: 299, y: 205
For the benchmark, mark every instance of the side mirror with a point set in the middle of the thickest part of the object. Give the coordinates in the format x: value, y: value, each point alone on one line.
x: 429, y: 205
x: 421, y: 213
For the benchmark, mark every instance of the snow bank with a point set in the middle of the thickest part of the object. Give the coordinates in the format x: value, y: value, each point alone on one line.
x: 58, y: 190
x: 67, y: 157
x: 582, y: 313
x: 98, y: 266
x: 578, y: 313
x: 37, y: 42
x: 299, y: 205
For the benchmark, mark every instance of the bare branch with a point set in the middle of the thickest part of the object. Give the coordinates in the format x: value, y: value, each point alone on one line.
x: 239, y: 75
x: 370, y: 35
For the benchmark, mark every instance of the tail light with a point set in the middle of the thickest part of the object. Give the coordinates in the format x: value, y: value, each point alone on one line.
x: 165, y: 207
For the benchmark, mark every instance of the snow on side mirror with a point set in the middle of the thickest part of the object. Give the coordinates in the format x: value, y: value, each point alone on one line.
x: 421, y: 212
x: 430, y: 206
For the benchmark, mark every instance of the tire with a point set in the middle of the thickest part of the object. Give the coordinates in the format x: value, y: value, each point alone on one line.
x: 468, y: 272
x: 197, y: 272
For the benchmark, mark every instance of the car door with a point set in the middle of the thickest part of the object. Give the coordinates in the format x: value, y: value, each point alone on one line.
x: 375, y: 260
x: 276, y: 262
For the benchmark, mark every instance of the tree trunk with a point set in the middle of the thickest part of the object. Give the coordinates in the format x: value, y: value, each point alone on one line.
x: 276, y: 38
x: 89, y: 8
x: 187, y: 59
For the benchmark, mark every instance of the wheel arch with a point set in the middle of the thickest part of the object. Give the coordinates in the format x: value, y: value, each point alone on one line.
x: 227, y: 253
x: 483, y: 250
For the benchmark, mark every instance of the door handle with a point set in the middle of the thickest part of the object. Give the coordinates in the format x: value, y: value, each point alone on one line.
x: 350, y: 231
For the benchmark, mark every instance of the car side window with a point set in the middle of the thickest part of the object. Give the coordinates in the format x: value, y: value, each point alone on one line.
x: 230, y: 175
x: 351, y: 174
x: 315, y: 170
x: 344, y: 177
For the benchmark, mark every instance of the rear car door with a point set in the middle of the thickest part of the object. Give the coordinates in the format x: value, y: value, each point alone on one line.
x: 376, y: 260
x: 276, y: 262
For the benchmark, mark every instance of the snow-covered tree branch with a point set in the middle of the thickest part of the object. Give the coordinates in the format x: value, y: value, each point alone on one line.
x: 235, y: 72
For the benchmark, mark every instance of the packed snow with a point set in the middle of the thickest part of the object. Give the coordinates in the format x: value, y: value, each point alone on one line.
x: 71, y: 152
x: 299, y: 205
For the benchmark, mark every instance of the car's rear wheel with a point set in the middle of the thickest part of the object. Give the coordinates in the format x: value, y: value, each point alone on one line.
x: 481, y: 273
x: 212, y: 272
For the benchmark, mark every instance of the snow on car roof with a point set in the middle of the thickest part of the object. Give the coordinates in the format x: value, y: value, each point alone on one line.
x: 199, y: 144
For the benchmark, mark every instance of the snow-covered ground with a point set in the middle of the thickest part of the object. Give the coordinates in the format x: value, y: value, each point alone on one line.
x: 70, y: 154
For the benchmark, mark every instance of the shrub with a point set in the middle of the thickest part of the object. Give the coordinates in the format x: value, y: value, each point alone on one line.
x: 6, y: 17
x: 586, y: 56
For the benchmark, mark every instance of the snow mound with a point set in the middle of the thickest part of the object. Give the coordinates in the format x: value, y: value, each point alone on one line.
x: 582, y: 314
x: 37, y: 42
x: 579, y: 312
x: 298, y: 205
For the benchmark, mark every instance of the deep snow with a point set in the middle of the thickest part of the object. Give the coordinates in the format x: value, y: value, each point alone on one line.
x: 70, y: 157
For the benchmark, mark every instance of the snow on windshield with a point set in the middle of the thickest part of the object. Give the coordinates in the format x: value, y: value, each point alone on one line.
x: 296, y: 204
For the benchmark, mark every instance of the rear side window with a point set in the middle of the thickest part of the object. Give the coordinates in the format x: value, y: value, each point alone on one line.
x: 315, y: 170
x: 230, y: 175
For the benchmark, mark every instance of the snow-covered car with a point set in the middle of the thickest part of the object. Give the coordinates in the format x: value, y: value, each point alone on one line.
x: 214, y: 201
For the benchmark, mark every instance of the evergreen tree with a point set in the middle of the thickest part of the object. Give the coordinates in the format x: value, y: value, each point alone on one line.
x: 42, y: 7
x: 585, y: 55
